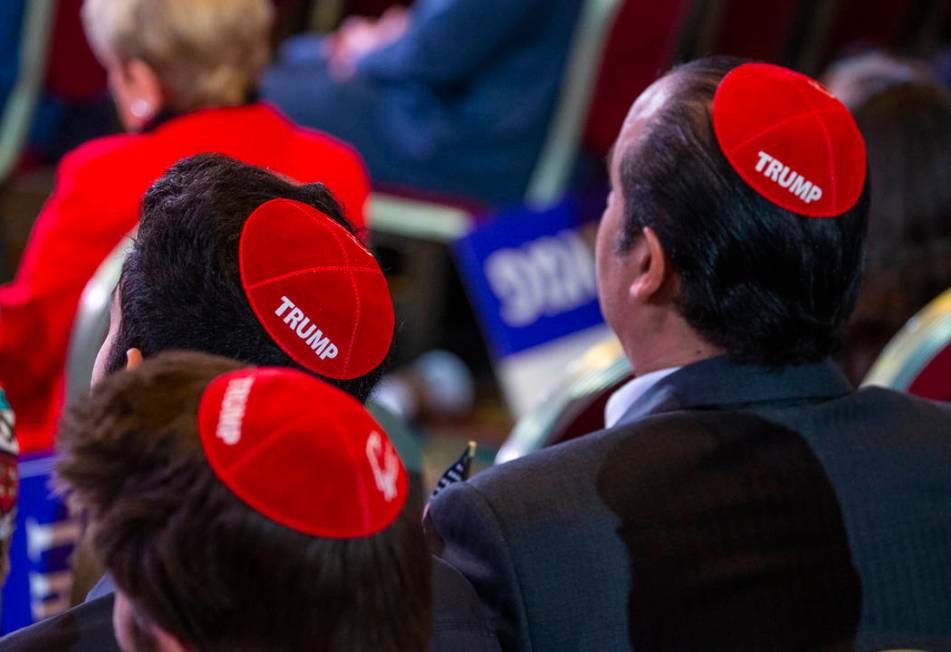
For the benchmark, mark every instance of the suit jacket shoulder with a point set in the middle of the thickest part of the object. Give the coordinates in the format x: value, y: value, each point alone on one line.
x: 671, y: 532
x: 84, y: 628
x: 509, y: 530
x: 459, y: 624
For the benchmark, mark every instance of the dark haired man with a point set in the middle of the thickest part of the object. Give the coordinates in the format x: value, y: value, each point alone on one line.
x: 182, y: 287
x: 238, y: 528
x: 743, y: 495
x: 222, y: 251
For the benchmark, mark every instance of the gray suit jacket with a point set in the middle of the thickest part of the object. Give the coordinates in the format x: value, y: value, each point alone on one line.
x: 733, y: 507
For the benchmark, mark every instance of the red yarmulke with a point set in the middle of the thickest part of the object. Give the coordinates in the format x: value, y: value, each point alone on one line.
x: 316, y: 289
x: 790, y: 140
x: 301, y: 452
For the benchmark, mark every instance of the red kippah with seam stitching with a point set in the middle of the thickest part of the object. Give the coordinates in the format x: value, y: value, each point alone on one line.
x: 301, y: 452
x: 788, y: 138
x: 318, y: 292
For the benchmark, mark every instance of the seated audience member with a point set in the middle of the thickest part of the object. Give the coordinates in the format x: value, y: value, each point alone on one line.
x: 905, y: 117
x: 743, y: 496
x: 233, y: 260
x: 452, y: 97
x: 182, y: 73
x: 267, y: 512
x: 241, y: 237
x: 228, y: 223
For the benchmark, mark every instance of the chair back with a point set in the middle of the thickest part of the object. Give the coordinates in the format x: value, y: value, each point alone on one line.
x: 92, y: 321
x: 18, y: 113
x: 753, y: 29
x: 73, y: 75
x: 918, y: 358
x: 560, y: 150
x: 576, y: 408
x: 594, y: 94
x: 642, y: 42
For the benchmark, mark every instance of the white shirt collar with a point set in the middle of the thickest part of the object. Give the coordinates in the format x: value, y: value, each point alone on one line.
x: 629, y: 393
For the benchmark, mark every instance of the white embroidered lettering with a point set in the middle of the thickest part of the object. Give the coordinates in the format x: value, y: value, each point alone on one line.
x: 300, y: 329
x: 232, y: 410
x: 788, y: 178
x: 330, y: 352
x: 293, y: 318
x: 804, y: 190
x: 307, y: 330
x: 318, y: 342
x: 384, y: 474
x: 774, y: 169
x: 285, y: 304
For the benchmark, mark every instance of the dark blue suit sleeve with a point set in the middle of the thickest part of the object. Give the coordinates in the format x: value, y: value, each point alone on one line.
x: 84, y: 628
x: 450, y: 40
x: 472, y: 540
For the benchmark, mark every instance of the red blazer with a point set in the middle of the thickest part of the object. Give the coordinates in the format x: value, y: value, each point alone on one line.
x: 96, y: 202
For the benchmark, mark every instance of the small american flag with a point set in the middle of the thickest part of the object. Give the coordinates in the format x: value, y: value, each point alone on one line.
x: 458, y: 471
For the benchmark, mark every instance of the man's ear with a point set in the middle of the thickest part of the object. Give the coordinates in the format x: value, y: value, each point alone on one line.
x: 133, y: 358
x: 652, y: 267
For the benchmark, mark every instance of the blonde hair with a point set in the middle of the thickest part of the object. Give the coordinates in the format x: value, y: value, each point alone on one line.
x: 205, y: 52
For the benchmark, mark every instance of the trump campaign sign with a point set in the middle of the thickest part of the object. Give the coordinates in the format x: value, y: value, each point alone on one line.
x: 531, y: 277
x: 40, y: 574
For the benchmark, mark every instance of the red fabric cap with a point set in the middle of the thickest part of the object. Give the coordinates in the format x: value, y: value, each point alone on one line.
x: 316, y: 289
x: 790, y: 140
x: 301, y: 452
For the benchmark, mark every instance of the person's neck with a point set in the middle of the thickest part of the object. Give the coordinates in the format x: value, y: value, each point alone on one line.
x: 644, y: 365
x: 667, y: 352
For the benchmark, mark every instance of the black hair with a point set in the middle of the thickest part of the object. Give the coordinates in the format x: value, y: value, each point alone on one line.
x: 764, y: 284
x: 180, y: 286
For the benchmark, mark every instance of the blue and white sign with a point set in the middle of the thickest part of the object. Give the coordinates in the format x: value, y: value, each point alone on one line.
x: 40, y: 575
x: 531, y: 275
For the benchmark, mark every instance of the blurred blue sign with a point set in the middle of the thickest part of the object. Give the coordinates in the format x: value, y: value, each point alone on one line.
x: 40, y: 576
x: 531, y: 276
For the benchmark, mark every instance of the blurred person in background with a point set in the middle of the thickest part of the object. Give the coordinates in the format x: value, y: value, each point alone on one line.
x: 450, y: 96
x: 183, y: 76
x: 905, y: 116
x: 219, y: 543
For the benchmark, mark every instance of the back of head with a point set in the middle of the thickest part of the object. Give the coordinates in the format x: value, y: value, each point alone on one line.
x: 761, y: 282
x: 907, y: 128
x: 197, y: 561
x: 181, y: 285
x: 906, y: 124
x: 905, y: 117
x: 205, y: 52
